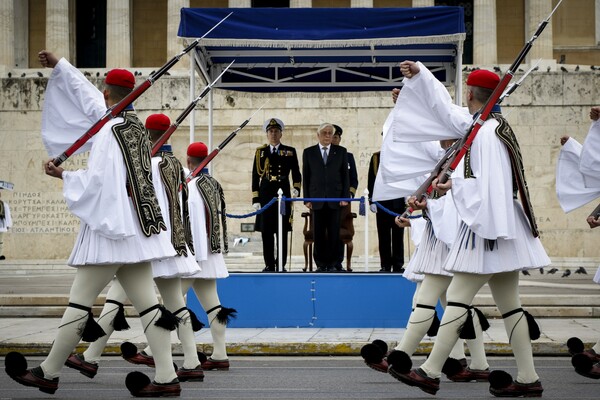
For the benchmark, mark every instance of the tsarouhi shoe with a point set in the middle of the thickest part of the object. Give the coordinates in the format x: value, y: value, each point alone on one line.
x: 219, y: 365
x: 78, y: 362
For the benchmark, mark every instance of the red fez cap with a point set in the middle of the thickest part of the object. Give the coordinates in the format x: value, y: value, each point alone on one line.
x: 120, y: 77
x: 158, y: 122
x: 197, y: 149
x: 483, y: 78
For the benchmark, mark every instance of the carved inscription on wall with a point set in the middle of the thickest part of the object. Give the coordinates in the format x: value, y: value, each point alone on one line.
x: 38, y: 212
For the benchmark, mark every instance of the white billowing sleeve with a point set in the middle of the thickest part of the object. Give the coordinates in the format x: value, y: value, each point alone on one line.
x: 424, y: 111
x: 102, y: 186
x: 444, y: 218
x: 571, y: 190
x: 72, y: 104
x: 161, y: 193
x: 417, y: 226
x: 198, y: 221
x: 590, y: 157
x: 485, y: 202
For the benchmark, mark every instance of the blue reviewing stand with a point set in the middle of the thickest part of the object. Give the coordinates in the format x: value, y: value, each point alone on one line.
x: 318, y: 300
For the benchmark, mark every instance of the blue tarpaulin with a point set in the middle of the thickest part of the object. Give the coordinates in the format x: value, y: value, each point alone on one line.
x: 323, y: 49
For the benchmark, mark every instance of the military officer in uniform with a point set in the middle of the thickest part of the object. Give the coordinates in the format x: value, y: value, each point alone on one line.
x: 273, y: 163
x: 390, y: 235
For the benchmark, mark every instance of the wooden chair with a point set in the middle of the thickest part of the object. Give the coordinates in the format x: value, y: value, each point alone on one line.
x: 346, y: 236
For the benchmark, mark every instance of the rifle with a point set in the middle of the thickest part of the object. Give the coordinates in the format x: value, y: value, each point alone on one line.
x: 130, y: 98
x: 220, y: 147
x: 596, y: 212
x: 167, y: 134
x: 455, y: 154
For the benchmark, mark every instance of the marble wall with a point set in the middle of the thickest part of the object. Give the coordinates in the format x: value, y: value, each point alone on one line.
x: 547, y: 106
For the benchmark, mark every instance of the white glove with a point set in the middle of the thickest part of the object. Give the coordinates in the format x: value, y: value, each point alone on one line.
x: 256, y: 206
x: 373, y: 208
x: 295, y: 193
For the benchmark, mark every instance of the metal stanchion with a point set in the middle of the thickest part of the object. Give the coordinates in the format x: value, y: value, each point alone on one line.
x: 279, y: 230
x: 366, y: 196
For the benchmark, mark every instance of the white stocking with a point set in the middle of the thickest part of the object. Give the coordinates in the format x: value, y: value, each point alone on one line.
x: 505, y: 290
x: 420, y: 319
x: 87, y: 285
x: 462, y: 289
x: 206, y: 291
x: 476, y: 349
x: 172, y: 295
x: 137, y: 281
x: 116, y: 293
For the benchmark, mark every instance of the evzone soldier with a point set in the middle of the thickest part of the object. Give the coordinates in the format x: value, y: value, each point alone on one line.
x: 209, y: 231
x: 576, y: 185
x: 168, y: 177
x: 497, y: 237
x: 271, y: 168
x: 426, y: 267
x: 114, y: 239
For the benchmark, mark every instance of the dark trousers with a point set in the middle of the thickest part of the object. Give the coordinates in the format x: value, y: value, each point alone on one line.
x: 391, y: 236
x: 269, y: 242
x: 326, y: 236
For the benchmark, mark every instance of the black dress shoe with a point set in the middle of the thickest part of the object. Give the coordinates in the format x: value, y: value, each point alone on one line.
x: 322, y: 269
x: 269, y: 269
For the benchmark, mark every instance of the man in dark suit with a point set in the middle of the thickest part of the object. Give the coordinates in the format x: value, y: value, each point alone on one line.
x: 390, y: 235
x: 325, y: 171
x: 353, y: 179
x: 273, y: 163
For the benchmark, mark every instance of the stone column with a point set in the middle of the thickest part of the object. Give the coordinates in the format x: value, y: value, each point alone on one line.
x: 57, y: 28
x: 118, y: 34
x: 361, y: 3
x: 175, y: 44
x: 485, y: 48
x: 597, y: 19
x: 7, y: 30
x: 423, y: 3
x: 300, y: 3
x: 240, y: 3
x: 535, y: 12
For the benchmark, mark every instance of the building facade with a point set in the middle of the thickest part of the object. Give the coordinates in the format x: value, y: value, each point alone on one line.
x: 97, y: 35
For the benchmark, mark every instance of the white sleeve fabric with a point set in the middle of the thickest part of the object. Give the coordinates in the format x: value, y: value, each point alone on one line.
x: 198, y: 222
x: 102, y: 186
x: 424, y: 111
x: 571, y: 190
x: 72, y: 104
x: 485, y: 201
x: 590, y: 157
x: 444, y: 218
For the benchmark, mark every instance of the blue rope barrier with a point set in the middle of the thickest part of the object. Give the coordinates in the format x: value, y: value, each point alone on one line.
x: 259, y: 211
x: 393, y: 213
x: 282, y: 211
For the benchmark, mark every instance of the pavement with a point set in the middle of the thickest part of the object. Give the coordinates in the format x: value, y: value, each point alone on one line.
x: 34, y: 335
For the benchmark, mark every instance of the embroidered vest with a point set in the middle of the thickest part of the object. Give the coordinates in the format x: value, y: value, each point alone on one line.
x: 173, y: 177
x: 507, y: 136
x: 135, y: 147
x: 213, y: 196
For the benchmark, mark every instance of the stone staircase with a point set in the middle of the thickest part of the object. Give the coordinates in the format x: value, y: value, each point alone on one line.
x: 39, y: 288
